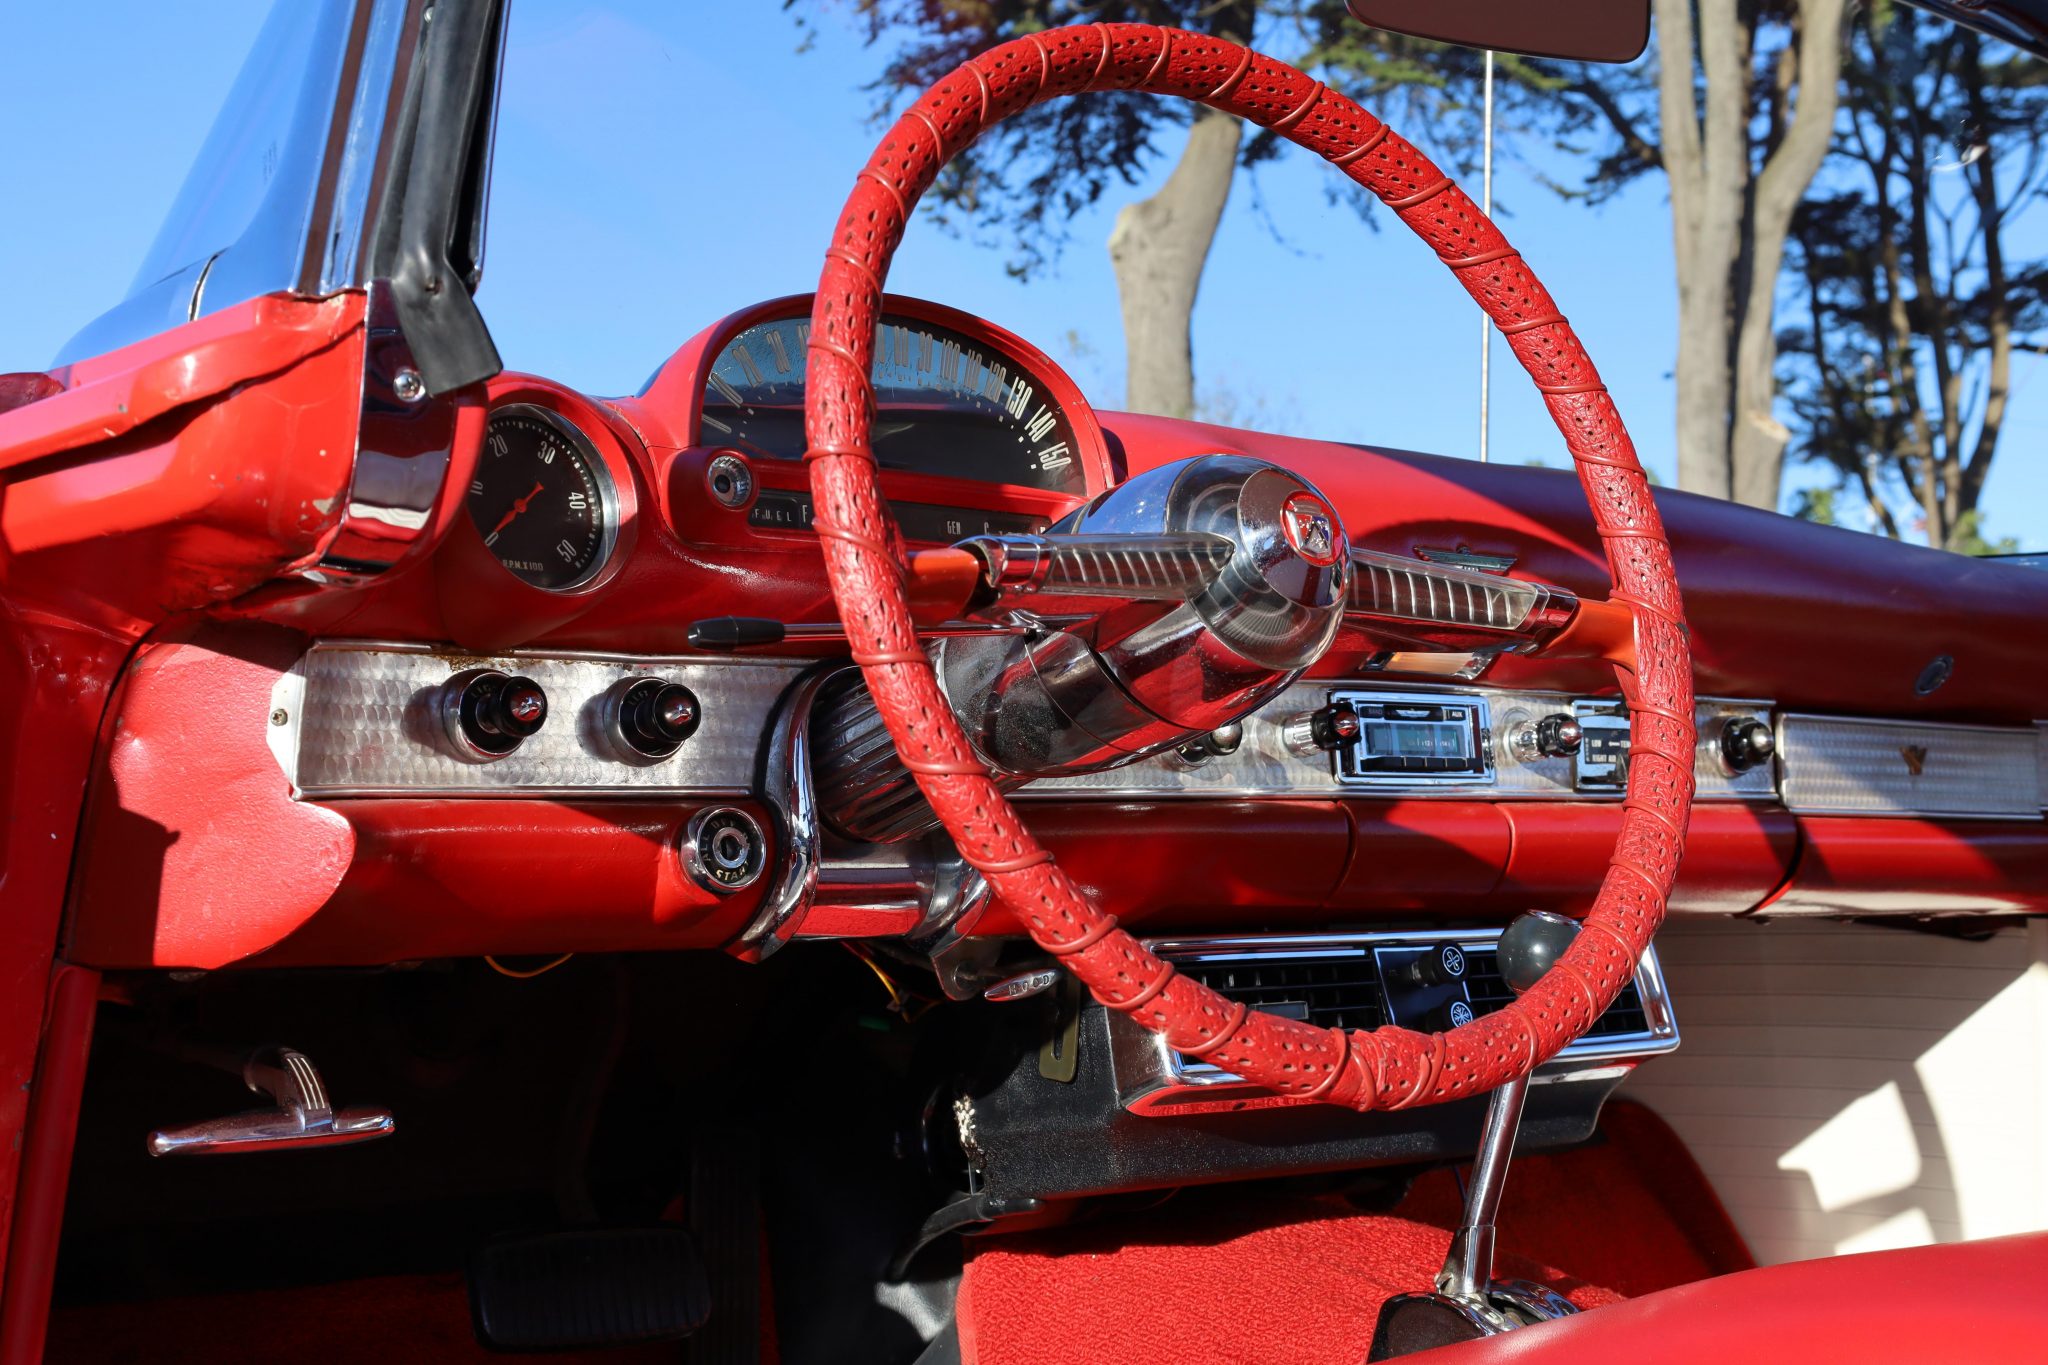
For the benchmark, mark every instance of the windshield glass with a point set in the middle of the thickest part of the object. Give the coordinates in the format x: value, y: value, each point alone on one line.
x: 246, y: 151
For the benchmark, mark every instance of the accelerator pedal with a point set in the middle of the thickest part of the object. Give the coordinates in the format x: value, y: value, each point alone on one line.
x: 588, y: 1287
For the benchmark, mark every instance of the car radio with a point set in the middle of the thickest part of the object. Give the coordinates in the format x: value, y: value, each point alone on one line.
x: 1414, y: 738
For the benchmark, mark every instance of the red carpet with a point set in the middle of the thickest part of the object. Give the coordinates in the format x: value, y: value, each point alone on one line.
x: 1226, y: 1276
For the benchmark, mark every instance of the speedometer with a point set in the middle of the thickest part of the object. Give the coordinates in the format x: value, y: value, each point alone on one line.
x: 945, y: 404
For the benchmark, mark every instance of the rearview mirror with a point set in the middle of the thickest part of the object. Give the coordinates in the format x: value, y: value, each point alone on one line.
x: 1577, y: 30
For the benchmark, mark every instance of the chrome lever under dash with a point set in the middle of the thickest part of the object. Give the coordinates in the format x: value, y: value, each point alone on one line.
x: 304, y: 1117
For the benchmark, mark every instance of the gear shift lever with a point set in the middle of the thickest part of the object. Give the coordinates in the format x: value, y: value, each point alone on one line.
x: 1468, y: 1301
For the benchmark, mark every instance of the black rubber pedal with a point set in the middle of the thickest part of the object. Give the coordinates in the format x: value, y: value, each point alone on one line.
x: 588, y: 1287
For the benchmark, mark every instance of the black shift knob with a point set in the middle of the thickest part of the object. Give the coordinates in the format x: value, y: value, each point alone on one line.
x: 1531, y: 946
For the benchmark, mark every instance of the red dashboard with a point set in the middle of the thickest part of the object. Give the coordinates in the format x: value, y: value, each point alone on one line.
x: 689, y: 507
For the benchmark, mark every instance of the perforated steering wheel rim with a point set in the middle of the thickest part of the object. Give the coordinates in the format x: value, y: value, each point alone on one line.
x: 1386, y: 1068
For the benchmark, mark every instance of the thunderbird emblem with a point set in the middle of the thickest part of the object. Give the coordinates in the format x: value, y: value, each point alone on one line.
x: 1916, y: 758
x: 1310, y: 527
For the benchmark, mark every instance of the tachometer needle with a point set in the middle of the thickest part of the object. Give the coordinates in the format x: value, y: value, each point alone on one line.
x: 513, y: 515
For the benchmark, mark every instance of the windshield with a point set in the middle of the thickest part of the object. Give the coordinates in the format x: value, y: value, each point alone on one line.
x: 1877, y: 366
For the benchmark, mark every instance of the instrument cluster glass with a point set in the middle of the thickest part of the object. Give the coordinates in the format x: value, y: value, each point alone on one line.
x: 946, y: 404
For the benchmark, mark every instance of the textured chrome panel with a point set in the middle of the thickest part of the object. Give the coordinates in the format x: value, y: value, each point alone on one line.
x: 1263, y: 766
x: 1850, y: 766
x: 357, y: 721
x: 1153, y: 1078
x: 2041, y: 759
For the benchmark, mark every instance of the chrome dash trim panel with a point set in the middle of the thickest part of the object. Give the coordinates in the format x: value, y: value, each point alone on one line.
x: 1846, y: 765
x: 1263, y: 766
x: 351, y: 719
x: 2041, y: 759
x: 1152, y: 1078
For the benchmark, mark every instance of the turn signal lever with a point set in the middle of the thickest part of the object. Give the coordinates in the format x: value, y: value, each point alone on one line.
x: 1468, y: 1302
x: 1137, y: 568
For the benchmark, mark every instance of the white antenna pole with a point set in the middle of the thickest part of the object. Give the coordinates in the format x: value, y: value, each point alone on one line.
x: 1486, y: 323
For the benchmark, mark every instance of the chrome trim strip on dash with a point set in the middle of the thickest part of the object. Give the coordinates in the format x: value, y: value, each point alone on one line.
x: 1849, y: 765
x: 1153, y: 1079
x: 1263, y: 766
x: 350, y: 719
x: 2041, y: 759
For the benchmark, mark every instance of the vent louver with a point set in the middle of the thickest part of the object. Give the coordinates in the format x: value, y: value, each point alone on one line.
x: 1487, y: 992
x: 1334, y: 992
x: 1366, y: 981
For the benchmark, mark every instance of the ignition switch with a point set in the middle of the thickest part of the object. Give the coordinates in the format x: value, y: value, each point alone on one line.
x: 723, y: 850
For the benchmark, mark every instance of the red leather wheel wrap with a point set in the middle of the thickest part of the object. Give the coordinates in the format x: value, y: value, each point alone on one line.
x: 1388, y: 1068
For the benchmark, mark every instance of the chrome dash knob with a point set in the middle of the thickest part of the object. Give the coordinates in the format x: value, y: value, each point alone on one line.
x: 1321, y: 730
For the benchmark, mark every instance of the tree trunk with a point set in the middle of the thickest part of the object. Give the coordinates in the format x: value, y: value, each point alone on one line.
x: 1756, y: 438
x: 1158, y: 247
x: 1707, y: 160
x: 1729, y: 221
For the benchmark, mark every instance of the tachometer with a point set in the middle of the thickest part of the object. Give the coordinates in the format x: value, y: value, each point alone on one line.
x: 542, y: 499
x: 946, y: 404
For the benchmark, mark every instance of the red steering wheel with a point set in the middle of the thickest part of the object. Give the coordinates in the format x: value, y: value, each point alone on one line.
x: 1387, y: 1068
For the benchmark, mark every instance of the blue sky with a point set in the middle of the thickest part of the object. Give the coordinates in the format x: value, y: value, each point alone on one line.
x: 662, y: 164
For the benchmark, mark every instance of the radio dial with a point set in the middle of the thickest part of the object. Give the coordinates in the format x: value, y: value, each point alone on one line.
x: 1554, y: 736
x: 1321, y: 730
x: 1746, y: 743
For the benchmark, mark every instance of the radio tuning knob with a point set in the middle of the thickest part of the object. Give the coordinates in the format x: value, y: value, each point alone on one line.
x: 1554, y: 736
x: 1321, y: 730
x: 1746, y: 743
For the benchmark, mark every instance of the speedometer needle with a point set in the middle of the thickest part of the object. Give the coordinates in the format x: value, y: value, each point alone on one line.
x: 517, y: 508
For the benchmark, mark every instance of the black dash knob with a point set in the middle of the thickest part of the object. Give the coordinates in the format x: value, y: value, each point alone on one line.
x: 654, y: 716
x: 1442, y: 965
x: 1531, y: 946
x: 1557, y: 736
x: 489, y: 713
x: 1746, y: 743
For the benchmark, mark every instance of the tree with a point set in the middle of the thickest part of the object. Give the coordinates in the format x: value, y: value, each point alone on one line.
x: 1745, y: 127
x: 1735, y: 111
x: 1031, y: 175
x: 1901, y: 369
